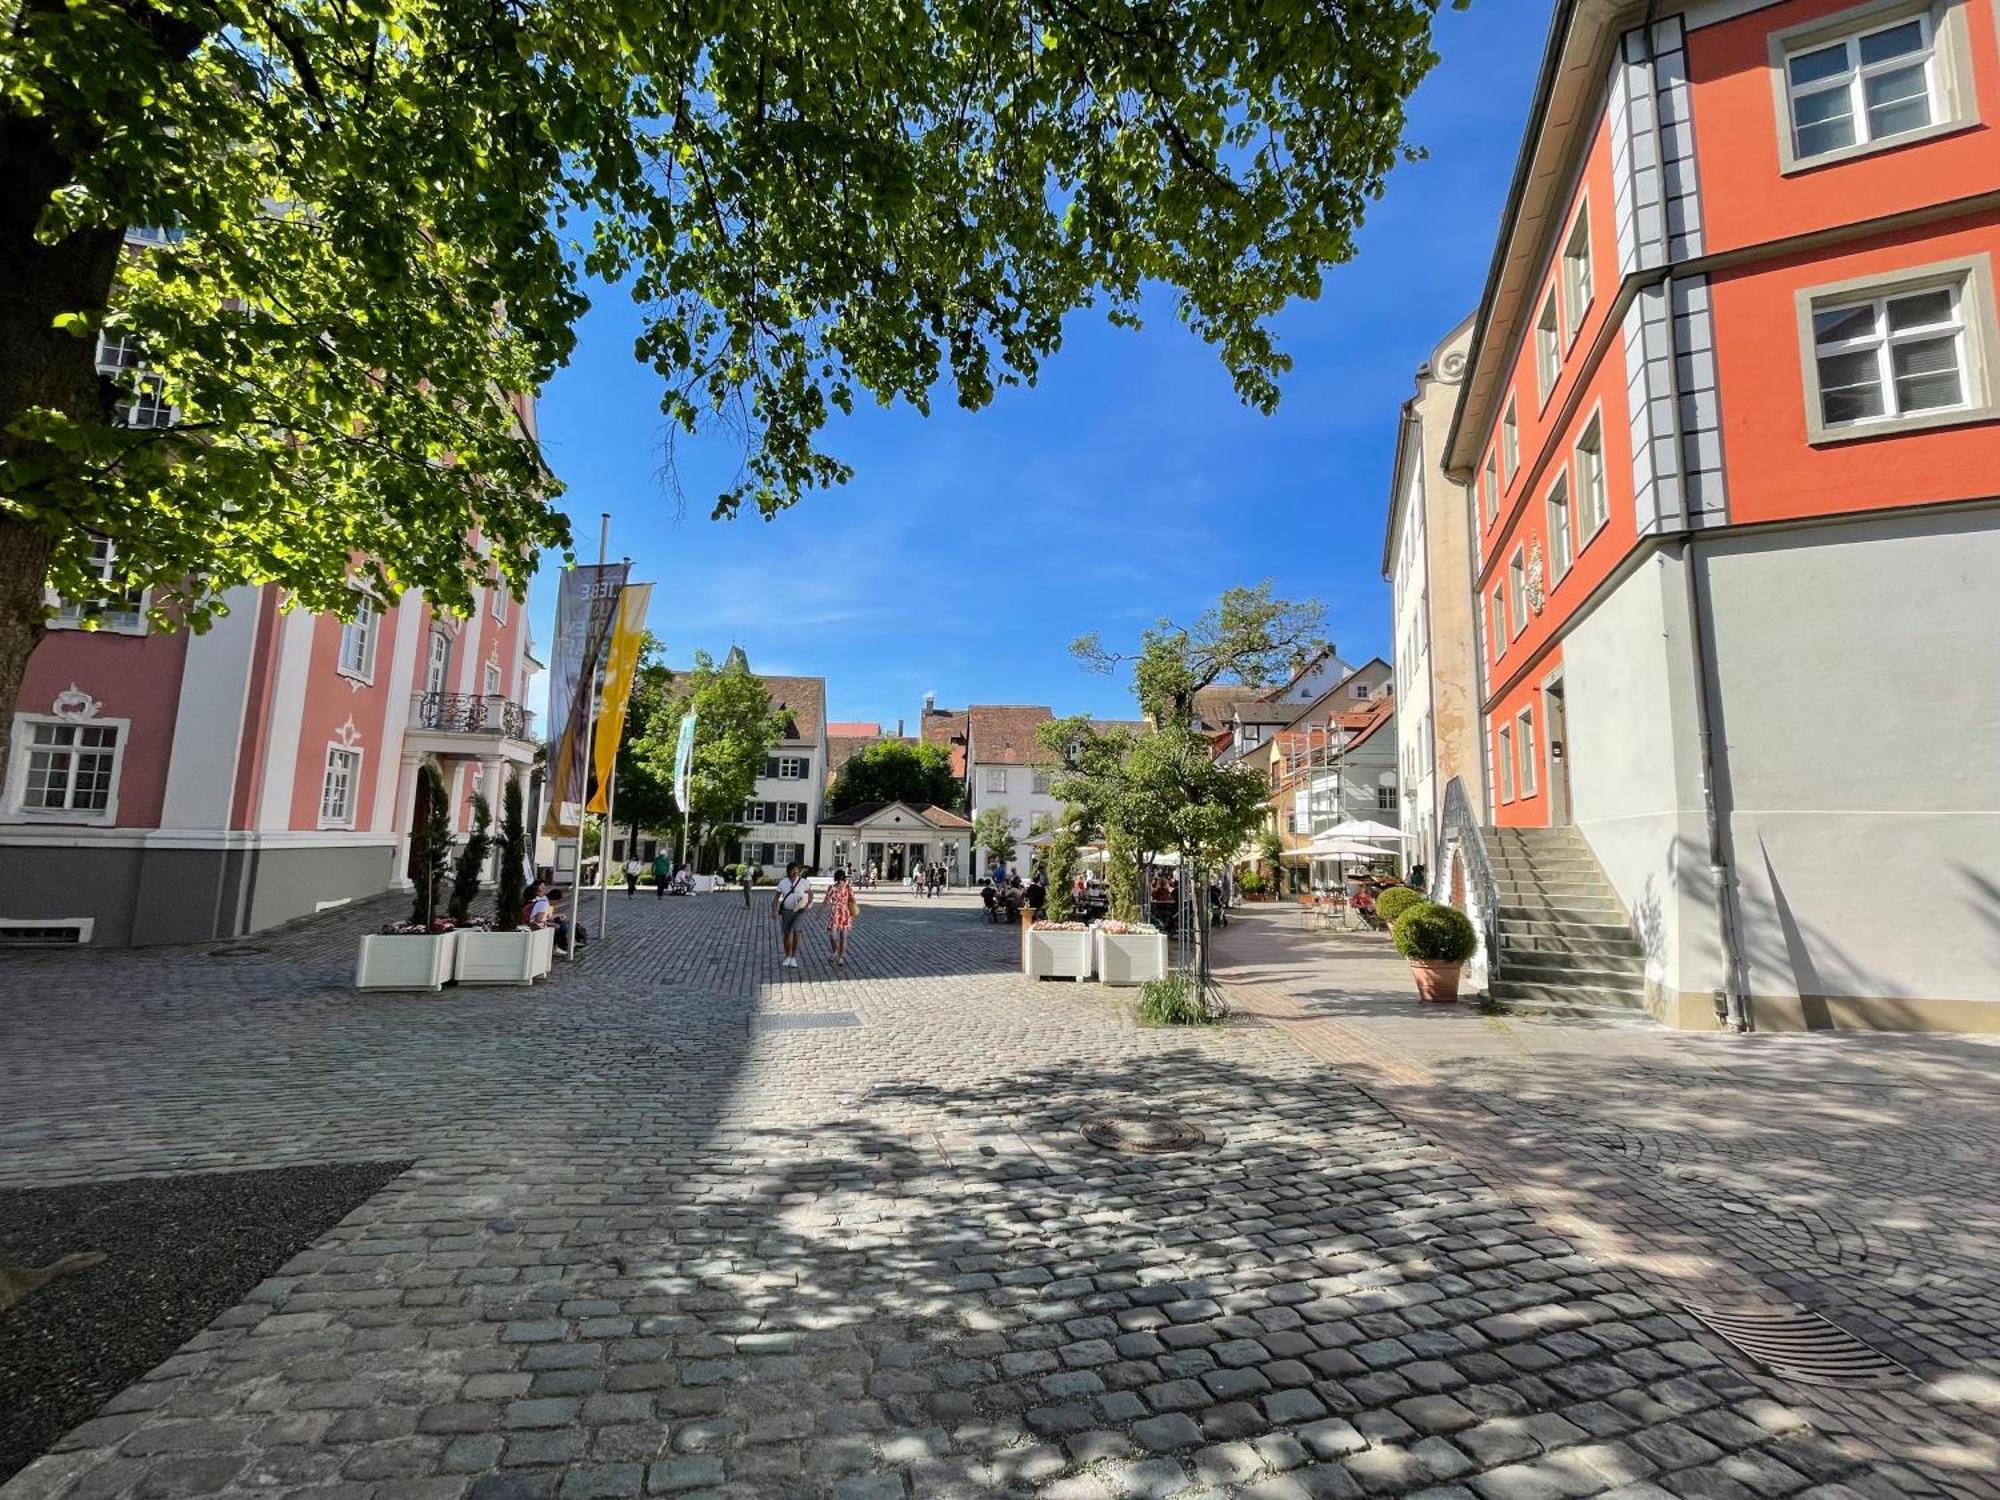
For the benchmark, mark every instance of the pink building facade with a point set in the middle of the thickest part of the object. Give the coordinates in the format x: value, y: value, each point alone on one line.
x: 169, y: 787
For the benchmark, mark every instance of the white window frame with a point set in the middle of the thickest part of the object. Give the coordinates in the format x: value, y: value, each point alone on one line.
x: 497, y: 601
x: 1504, y: 753
x: 22, y: 751
x: 1579, y: 278
x: 1044, y: 782
x: 431, y: 659
x: 368, y: 619
x: 74, y: 614
x: 355, y: 756
x: 1548, y: 345
x: 1524, y: 746
x: 491, y: 680
x: 995, y: 779
x: 1592, y: 500
x: 1517, y: 593
x: 1948, y: 81
x: 1358, y: 690
x: 1499, y: 623
x: 1970, y: 278
x: 1491, y: 503
x: 1510, y: 442
x: 1561, y: 527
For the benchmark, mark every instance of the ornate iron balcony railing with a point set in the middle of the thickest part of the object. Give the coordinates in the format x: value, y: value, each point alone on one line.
x: 472, y: 713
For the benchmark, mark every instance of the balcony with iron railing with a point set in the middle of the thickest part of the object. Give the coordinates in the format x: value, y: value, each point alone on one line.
x: 472, y: 713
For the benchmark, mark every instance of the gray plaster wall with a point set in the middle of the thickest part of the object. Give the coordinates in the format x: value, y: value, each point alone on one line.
x: 1858, y: 693
x: 140, y: 896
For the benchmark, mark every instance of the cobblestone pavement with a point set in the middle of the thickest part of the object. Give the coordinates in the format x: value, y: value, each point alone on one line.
x: 684, y: 1223
x: 1858, y: 1176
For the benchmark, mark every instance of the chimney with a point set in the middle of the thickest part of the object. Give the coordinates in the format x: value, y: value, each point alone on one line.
x: 930, y: 702
x: 899, y: 729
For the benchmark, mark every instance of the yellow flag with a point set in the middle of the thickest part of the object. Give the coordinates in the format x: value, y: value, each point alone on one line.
x: 621, y: 666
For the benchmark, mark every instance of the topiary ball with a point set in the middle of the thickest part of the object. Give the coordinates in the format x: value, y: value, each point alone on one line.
x: 1393, y: 902
x: 1429, y: 933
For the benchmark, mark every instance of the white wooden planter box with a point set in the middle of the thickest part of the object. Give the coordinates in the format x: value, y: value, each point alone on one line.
x: 1055, y: 955
x: 1130, y: 957
x: 517, y: 957
x: 420, y: 962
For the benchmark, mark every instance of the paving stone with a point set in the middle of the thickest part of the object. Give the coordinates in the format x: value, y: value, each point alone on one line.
x: 1164, y: 1434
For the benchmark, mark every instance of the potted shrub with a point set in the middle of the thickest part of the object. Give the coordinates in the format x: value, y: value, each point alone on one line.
x: 509, y: 953
x: 1437, y: 940
x: 1130, y: 952
x: 1056, y: 950
x: 1250, y: 885
x: 418, y: 954
x: 1393, y: 902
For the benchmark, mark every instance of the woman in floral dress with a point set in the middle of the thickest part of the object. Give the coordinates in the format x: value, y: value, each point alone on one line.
x: 840, y: 909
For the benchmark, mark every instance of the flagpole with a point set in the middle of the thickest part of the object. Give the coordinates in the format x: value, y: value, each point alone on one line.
x: 589, y: 725
x: 610, y: 790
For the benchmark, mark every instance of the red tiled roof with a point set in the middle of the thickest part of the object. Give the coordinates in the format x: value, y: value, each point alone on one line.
x: 845, y: 730
x: 946, y: 727
x: 1003, y: 734
x: 803, y: 700
x: 937, y: 817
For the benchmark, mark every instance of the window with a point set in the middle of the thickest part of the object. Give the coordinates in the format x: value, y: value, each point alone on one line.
x: 154, y: 234
x: 492, y: 688
x: 1592, y: 509
x: 337, y: 792
x: 1578, y: 288
x: 1892, y: 356
x: 1385, y: 799
x: 1517, y: 592
x: 1044, y: 780
x: 1492, y: 489
x: 1874, y: 84
x: 996, y: 778
x: 1526, y: 724
x: 1506, y: 764
x: 1548, y: 347
x: 497, y: 600
x: 357, y: 641
x: 142, y: 399
x: 1499, y: 630
x: 1559, y: 540
x: 786, y: 767
x: 1357, y: 690
x: 68, y: 769
x: 437, y: 663
x: 122, y: 610
x: 1510, y: 443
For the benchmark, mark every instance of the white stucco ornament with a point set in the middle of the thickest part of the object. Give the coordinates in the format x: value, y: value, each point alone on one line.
x: 74, y: 703
x: 1451, y: 369
x: 347, y: 735
x: 1537, y: 595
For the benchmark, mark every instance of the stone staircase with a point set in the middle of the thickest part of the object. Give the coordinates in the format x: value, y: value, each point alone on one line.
x: 1565, y: 943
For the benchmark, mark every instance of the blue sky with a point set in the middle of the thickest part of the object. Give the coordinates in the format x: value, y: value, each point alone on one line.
x: 970, y: 548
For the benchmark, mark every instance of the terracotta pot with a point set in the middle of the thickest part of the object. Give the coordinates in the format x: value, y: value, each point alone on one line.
x: 1435, y: 980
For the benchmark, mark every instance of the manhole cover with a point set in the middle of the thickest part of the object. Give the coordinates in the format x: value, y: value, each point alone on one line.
x: 240, y: 950
x: 1803, y: 1346
x: 1141, y: 1131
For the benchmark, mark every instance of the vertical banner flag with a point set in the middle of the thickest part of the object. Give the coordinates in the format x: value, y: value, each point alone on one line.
x: 621, y: 667
x: 585, y: 608
x: 684, y: 760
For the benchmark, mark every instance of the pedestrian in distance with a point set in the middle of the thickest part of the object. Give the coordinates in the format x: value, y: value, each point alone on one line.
x: 663, y: 871
x: 749, y: 879
x: 841, y: 905
x: 789, y: 906
x: 632, y: 872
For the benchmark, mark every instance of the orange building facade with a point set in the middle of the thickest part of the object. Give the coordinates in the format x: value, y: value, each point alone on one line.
x: 1731, y: 423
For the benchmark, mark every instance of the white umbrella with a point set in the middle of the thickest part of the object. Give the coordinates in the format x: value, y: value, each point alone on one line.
x: 1363, y: 828
x: 1330, y: 848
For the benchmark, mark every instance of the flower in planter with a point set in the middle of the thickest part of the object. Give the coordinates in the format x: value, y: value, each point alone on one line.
x: 1113, y: 925
x: 437, y: 927
x: 1062, y: 927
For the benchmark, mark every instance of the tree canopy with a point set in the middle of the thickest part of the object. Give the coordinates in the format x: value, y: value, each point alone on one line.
x: 897, y: 771
x: 1246, y: 637
x: 371, y: 221
x: 994, y: 830
x: 735, y: 727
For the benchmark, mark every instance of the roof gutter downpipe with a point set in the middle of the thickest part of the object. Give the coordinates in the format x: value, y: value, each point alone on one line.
x: 1733, y: 1004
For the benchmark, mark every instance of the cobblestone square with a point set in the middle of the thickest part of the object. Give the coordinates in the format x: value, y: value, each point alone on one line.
x: 685, y: 1223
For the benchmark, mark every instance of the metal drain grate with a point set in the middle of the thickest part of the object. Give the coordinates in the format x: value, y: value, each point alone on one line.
x: 804, y: 1020
x: 1142, y: 1132
x: 1803, y: 1346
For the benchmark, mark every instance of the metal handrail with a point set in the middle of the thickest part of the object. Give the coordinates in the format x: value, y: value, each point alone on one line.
x: 472, y: 713
x: 1462, y: 838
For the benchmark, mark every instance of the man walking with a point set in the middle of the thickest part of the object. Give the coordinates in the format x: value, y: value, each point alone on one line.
x: 632, y: 869
x: 789, y: 907
x: 663, y: 869
x: 749, y: 878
